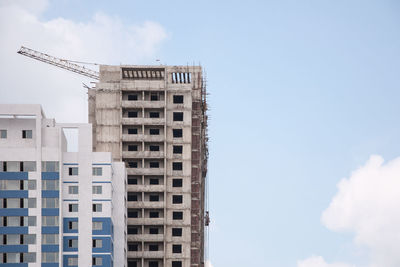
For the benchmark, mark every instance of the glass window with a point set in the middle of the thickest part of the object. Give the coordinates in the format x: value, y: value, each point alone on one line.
x: 29, y: 166
x: 50, y: 203
x: 97, y: 189
x: 13, y: 257
x: 73, y: 243
x: 73, y: 225
x: 50, y: 221
x: 29, y: 239
x: 97, y: 243
x: 29, y: 257
x: 13, y: 166
x: 51, y: 239
x: 50, y: 185
x: 31, y: 220
x: 13, y: 239
x: 97, y: 225
x: 3, y: 134
x: 31, y: 202
x: 27, y: 134
x: 73, y: 207
x: 10, y: 184
x: 97, y: 207
x: 12, y: 203
x: 97, y: 261
x: 97, y: 171
x: 13, y: 221
x: 73, y: 189
x: 73, y: 261
x: 50, y: 166
x: 31, y: 184
x: 49, y: 257
x: 73, y: 171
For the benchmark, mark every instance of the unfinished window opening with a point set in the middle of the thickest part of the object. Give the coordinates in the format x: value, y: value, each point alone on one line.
x: 177, y: 149
x: 178, y: 116
x: 132, y: 131
x: 154, y: 131
x: 153, y: 247
x: 154, y: 97
x: 154, y: 164
x: 132, y: 164
x: 154, y: 114
x: 133, y: 213
x: 132, y: 148
x: 133, y: 230
x: 177, y: 215
x: 132, y: 196
x: 132, y: 180
x: 133, y: 97
x: 154, y: 214
x: 178, y: 99
x: 154, y: 198
x: 154, y: 148
x: 177, y: 166
x: 176, y: 264
x: 181, y: 77
x: 177, y: 182
x: 176, y: 231
x: 153, y: 263
x: 177, y: 199
x: 176, y: 248
x: 133, y: 246
x: 72, y: 138
x: 132, y: 263
x: 177, y: 133
x: 132, y: 114
x: 153, y: 231
x: 154, y: 181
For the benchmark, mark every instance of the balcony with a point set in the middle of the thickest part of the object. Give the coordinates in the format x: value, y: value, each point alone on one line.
x: 145, y: 171
x: 146, y: 121
x: 146, y: 238
x: 146, y: 204
x: 142, y: 154
x: 148, y: 221
x: 145, y: 188
x: 142, y: 137
x: 143, y: 104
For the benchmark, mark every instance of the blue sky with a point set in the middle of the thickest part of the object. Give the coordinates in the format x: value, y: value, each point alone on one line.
x: 301, y: 94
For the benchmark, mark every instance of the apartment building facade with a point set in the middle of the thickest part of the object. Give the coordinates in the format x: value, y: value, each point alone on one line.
x: 154, y: 119
x: 58, y: 208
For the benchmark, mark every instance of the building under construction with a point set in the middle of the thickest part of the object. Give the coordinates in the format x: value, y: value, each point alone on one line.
x: 154, y: 119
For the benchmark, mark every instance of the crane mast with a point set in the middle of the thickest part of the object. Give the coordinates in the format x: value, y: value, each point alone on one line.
x: 58, y: 62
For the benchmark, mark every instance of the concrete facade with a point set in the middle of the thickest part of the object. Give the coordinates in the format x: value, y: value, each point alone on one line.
x: 58, y: 208
x: 154, y: 119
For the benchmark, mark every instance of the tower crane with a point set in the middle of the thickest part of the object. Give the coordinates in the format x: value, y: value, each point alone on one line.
x: 61, y: 63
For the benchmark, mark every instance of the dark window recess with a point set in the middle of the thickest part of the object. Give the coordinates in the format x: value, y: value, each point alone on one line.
x: 132, y: 180
x: 154, y: 214
x: 154, y: 131
x: 133, y: 247
x: 132, y: 230
x: 176, y: 248
x: 177, y: 199
x: 154, y: 164
x: 177, y: 215
x: 132, y: 164
x: 178, y: 99
x: 133, y: 214
x: 132, y: 131
x: 178, y: 149
x: 132, y: 197
x: 177, y: 133
x: 154, y: 97
x: 153, y: 247
x: 132, y: 148
x: 176, y: 264
x: 178, y: 116
x: 177, y: 183
x: 154, y: 181
x: 153, y: 231
x: 176, y: 231
x: 177, y: 166
x: 154, y: 148
x: 132, y: 97
x: 132, y: 114
x: 154, y: 198
x: 153, y: 263
x: 132, y: 263
x: 154, y: 114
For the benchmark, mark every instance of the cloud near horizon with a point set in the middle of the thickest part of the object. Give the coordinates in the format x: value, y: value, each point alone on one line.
x: 367, y: 205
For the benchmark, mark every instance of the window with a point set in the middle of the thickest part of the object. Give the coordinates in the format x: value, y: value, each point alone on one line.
x: 132, y: 230
x: 132, y: 97
x: 177, y: 133
x: 154, y: 181
x: 177, y: 199
x: 97, y: 261
x: 132, y: 164
x: 178, y: 149
x: 73, y: 261
x: 50, y: 166
x: 97, y: 171
x: 154, y: 214
x: 176, y: 248
x: 50, y: 185
x: 132, y: 180
x: 133, y: 213
x: 133, y: 247
x: 73, y: 189
x: 177, y: 166
x: 50, y: 239
x: 154, y: 148
x: 153, y: 231
x: 50, y: 203
x: 154, y: 131
x: 73, y: 243
x: 154, y: 164
x: 132, y: 196
x: 50, y: 257
x: 154, y: 97
x: 28, y: 166
x: 154, y: 114
x: 73, y: 225
x: 73, y: 207
x: 177, y: 183
x: 73, y: 171
x: 97, y: 243
x: 132, y: 114
x: 50, y: 221
x: 153, y: 247
x: 154, y: 198
x: 178, y: 99
x: 177, y: 215
x: 27, y: 134
x: 176, y: 231
x: 97, y: 225
x: 3, y: 134
x: 176, y: 264
x: 97, y: 207
x: 153, y: 263
x: 132, y: 263
x: 132, y: 148
x: 97, y: 189
x: 178, y: 116
x: 132, y: 131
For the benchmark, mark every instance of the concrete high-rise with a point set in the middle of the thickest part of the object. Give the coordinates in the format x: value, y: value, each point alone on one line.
x: 154, y: 119
x: 57, y: 208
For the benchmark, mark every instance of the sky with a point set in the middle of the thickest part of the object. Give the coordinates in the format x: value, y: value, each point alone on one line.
x: 304, y: 166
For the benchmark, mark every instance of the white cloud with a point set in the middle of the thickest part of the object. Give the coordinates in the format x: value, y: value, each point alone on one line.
x: 103, y: 39
x: 318, y: 261
x: 367, y: 204
x: 208, y: 264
